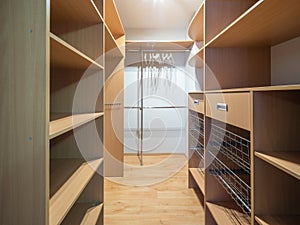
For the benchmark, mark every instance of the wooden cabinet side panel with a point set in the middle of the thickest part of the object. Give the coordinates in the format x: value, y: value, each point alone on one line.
x: 24, y: 112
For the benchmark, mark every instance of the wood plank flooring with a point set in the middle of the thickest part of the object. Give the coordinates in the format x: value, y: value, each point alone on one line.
x: 146, y: 202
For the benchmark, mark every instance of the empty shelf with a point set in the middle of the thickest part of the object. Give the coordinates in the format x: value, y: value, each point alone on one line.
x: 62, y: 201
x: 83, y: 12
x: 63, y: 55
x: 227, y: 213
x: 83, y: 214
x: 278, y: 220
x: 63, y: 125
x: 198, y: 176
x: 266, y: 23
x: 289, y: 162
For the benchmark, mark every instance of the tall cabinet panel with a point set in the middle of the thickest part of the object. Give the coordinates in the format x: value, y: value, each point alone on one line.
x: 24, y: 75
x: 114, y: 94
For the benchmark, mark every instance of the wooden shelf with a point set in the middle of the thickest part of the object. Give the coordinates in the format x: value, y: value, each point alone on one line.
x: 278, y: 220
x: 62, y: 201
x: 63, y: 125
x: 198, y: 177
x: 227, y: 213
x: 83, y: 214
x: 112, y: 19
x: 196, y: 27
x: 84, y: 13
x: 288, y: 162
x: 277, y: 88
x: 266, y: 23
x: 159, y: 45
x: 196, y: 92
x: 63, y: 55
x: 264, y: 88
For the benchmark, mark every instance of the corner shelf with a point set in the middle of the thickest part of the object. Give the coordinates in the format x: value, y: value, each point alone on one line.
x: 65, y: 124
x: 288, y: 162
x: 196, y: 28
x: 266, y: 23
x: 62, y: 201
x: 278, y: 220
x: 198, y: 175
x: 227, y: 213
x: 197, y: 59
x: 63, y: 55
x: 84, y: 214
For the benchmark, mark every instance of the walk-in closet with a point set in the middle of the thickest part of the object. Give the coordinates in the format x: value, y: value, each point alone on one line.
x: 149, y: 112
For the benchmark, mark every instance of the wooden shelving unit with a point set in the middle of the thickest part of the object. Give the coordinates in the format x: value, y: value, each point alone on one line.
x: 251, y: 153
x: 56, y: 67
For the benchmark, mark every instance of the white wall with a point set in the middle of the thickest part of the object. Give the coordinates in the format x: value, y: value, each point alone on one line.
x: 285, y: 66
x: 165, y: 130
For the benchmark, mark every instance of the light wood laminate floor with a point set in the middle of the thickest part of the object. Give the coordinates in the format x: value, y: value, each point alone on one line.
x: 167, y: 202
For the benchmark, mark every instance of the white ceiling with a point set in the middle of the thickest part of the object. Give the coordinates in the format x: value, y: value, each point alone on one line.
x: 157, y: 14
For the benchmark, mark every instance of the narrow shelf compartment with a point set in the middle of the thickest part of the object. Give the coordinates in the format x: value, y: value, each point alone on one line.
x: 288, y: 162
x: 234, y: 185
x: 232, y: 145
x: 63, y: 199
x: 196, y: 27
x: 111, y: 46
x: 63, y: 125
x: 63, y: 55
x: 266, y: 23
x: 198, y: 175
x: 112, y: 19
x: 227, y: 213
x: 197, y: 125
x: 84, y: 12
x: 278, y: 220
x: 83, y: 214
